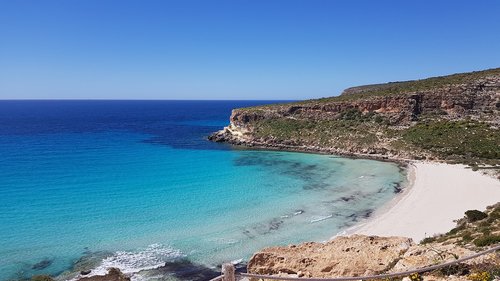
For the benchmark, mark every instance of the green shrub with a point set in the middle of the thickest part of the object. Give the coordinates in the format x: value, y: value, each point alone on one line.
x: 487, y: 240
x: 378, y: 119
x: 351, y: 114
x: 451, y: 139
x: 460, y: 269
x: 485, y: 230
x: 455, y: 230
x: 428, y: 240
x: 484, y: 224
x: 475, y: 215
x: 466, y: 237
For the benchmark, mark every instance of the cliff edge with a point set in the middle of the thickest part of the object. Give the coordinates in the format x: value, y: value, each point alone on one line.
x: 452, y: 118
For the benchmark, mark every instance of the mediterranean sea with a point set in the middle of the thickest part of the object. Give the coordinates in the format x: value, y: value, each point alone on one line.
x: 136, y: 185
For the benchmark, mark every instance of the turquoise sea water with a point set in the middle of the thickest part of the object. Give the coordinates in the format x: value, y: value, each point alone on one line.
x: 135, y: 184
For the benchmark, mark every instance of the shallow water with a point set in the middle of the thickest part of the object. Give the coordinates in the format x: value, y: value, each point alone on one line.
x: 135, y: 184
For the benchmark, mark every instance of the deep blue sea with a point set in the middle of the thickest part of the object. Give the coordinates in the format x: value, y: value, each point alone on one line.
x: 136, y: 185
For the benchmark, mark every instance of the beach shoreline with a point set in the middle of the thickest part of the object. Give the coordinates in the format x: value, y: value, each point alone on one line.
x: 436, y: 196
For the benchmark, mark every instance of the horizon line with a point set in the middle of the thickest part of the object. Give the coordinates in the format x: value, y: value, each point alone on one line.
x: 92, y: 99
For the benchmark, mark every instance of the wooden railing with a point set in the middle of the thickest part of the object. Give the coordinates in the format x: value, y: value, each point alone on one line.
x: 229, y: 273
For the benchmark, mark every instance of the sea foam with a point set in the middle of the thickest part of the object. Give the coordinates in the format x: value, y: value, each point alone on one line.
x: 151, y: 257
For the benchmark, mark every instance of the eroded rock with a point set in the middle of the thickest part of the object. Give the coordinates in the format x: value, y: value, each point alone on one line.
x: 419, y: 256
x: 356, y: 255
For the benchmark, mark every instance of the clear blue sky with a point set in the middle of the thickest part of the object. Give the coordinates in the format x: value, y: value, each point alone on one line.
x: 254, y: 49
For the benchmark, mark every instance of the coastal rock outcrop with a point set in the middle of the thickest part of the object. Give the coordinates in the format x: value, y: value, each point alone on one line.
x: 357, y: 255
x: 419, y: 256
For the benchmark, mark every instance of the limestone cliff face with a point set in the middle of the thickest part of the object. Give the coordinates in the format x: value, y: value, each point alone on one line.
x: 397, y: 105
x: 455, y: 101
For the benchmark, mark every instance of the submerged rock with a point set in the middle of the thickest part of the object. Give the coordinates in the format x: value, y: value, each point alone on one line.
x: 42, y: 264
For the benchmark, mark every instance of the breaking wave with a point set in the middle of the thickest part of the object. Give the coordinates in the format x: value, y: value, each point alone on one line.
x: 151, y: 257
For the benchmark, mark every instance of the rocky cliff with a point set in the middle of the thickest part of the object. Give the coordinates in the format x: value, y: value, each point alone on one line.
x: 357, y: 255
x: 436, y: 118
x: 361, y: 255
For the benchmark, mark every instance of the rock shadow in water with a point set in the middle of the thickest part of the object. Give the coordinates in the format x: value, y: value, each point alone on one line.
x: 187, y: 270
x: 316, y: 186
x: 355, y: 217
x: 270, y: 226
x: 348, y: 198
x: 267, y: 228
x: 314, y: 176
x: 43, y: 264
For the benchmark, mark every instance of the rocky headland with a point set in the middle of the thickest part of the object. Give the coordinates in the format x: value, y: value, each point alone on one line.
x: 452, y: 118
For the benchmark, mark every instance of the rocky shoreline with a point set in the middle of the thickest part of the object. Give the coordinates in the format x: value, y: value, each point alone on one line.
x: 223, y: 136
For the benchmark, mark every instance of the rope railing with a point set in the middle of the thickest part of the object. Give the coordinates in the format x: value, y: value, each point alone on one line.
x: 228, y: 276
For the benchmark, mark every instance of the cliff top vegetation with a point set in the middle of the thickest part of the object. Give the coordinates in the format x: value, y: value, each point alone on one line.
x: 397, y: 87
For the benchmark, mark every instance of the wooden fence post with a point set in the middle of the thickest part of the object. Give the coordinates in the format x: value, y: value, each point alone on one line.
x: 228, y: 272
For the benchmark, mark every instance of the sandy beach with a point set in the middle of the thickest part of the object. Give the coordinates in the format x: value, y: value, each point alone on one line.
x: 437, y: 195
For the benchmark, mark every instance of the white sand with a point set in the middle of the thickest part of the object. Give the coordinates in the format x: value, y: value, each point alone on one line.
x: 438, y: 194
